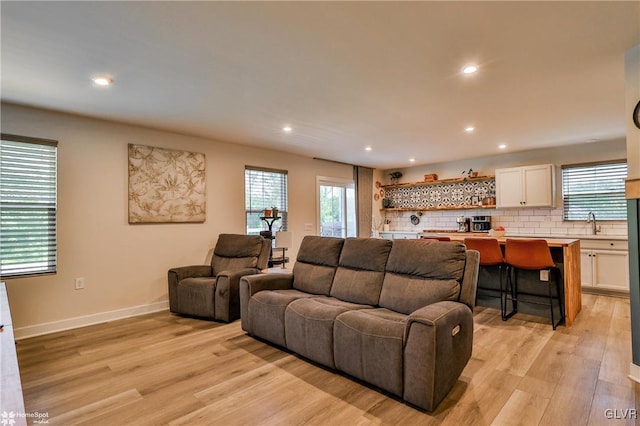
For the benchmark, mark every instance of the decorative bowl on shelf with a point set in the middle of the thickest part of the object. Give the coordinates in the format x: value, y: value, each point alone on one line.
x: 496, y: 234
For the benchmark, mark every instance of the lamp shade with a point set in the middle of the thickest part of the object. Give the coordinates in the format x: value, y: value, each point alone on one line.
x: 284, y: 239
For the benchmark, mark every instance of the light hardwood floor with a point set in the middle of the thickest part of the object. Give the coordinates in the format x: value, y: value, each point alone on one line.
x: 164, y: 369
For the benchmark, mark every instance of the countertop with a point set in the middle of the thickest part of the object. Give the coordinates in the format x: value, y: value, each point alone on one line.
x: 449, y: 232
x: 552, y: 242
x: 579, y: 237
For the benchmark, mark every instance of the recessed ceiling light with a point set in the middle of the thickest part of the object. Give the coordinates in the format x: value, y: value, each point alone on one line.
x: 368, y: 148
x: 102, y: 81
x: 412, y: 160
x: 469, y: 69
x: 469, y: 129
x: 287, y: 129
x: 502, y: 146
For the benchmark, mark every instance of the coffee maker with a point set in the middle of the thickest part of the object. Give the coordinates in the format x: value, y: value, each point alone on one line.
x: 481, y: 223
x: 463, y: 223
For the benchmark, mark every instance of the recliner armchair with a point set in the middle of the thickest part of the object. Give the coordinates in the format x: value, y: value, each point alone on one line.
x: 211, y: 291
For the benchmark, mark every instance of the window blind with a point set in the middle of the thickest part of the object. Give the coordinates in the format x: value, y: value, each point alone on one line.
x: 597, y: 188
x: 28, y: 206
x: 264, y: 189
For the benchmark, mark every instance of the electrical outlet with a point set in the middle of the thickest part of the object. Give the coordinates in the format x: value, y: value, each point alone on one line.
x: 544, y: 275
x: 79, y: 283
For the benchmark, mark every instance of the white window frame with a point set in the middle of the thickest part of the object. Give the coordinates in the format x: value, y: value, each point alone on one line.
x: 606, y: 201
x: 351, y: 230
x: 28, y: 206
x: 283, y: 208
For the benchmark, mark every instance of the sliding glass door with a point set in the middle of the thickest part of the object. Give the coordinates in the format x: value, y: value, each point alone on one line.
x: 337, y: 207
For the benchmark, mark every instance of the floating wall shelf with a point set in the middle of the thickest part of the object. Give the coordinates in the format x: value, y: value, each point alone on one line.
x: 439, y: 182
x: 447, y: 194
x: 429, y: 209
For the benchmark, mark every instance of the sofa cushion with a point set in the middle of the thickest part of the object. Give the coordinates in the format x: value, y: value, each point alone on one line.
x: 404, y: 293
x: 320, y: 250
x: 368, y: 344
x: 309, y: 326
x: 316, y: 264
x: 360, y: 272
x: 266, y: 313
x: 421, y: 272
x: 428, y: 259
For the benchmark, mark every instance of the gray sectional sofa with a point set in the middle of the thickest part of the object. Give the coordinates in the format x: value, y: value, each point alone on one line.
x: 396, y: 314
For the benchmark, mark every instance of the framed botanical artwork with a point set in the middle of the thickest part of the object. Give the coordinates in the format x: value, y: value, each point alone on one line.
x: 166, y: 186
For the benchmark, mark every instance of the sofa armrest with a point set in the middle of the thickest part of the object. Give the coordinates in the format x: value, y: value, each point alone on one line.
x: 437, y: 314
x: 227, y: 297
x: 251, y: 284
x: 438, y: 344
x: 469, y: 285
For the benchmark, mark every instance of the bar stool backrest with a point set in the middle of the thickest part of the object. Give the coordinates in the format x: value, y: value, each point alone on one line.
x: 529, y: 254
x: 489, y: 248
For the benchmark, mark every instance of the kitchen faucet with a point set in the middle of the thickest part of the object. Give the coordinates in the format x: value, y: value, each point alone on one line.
x: 591, y: 217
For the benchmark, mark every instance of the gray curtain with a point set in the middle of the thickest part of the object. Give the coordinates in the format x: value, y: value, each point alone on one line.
x: 363, y: 177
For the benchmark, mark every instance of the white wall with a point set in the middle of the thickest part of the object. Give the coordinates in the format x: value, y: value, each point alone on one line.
x: 125, y: 266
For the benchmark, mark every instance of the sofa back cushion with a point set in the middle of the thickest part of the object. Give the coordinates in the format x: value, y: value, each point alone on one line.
x: 422, y: 272
x: 316, y: 264
x: 360, y: 272
x: 234, y: 252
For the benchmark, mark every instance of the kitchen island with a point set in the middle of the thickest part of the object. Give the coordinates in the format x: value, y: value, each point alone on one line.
x: 566, y: 254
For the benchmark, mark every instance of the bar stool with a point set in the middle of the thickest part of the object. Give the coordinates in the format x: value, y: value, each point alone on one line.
x: 436, y: 238
x: 531, y: 255
x: 490, y: 256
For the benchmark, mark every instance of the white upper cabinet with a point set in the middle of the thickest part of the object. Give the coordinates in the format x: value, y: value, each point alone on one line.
x: 528, y: 186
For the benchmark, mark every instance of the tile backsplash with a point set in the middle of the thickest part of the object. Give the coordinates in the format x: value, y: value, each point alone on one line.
x: 541, y: 221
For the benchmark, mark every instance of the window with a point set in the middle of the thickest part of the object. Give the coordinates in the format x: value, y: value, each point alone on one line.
x: 597, y: 188
x: 337, y: 207
x: 265, y: 189
x: 28, y: 206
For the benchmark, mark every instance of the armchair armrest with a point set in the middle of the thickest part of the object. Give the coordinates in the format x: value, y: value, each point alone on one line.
x: 438, y: 343
x: 192, y: 271
x: 227, y: 298
x: 251, y: 284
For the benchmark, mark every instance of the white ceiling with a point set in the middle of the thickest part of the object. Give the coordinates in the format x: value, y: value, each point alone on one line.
x: 344, y: 75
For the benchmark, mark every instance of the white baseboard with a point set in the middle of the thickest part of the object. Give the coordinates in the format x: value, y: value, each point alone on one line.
x: 76, y: 322
x: 634, y: 372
